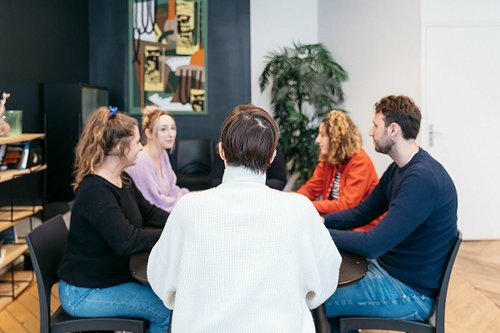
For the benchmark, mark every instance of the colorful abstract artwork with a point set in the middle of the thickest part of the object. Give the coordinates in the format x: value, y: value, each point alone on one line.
x: 167, y: 66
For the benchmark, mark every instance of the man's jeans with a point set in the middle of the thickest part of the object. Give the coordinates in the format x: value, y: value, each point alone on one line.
x: 124, y: 300
x: 378, y: 294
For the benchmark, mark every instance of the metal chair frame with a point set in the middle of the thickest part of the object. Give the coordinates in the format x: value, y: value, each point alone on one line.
x: 434, y: 325
x: 47, y: 244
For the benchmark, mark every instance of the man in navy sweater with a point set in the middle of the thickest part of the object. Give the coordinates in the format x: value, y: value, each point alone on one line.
x: 409, y: 248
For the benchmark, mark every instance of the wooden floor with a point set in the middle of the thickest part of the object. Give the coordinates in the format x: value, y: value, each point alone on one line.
x: 473, y: 298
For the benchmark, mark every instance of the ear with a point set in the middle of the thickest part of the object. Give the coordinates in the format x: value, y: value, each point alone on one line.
x: 117, y: 149
x: 222, y: 154
x: 394, y: 130
x: 273, y: 156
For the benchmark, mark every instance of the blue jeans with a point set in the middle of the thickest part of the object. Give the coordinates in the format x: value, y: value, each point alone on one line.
x: 124, y: 300
x: 378, y: 294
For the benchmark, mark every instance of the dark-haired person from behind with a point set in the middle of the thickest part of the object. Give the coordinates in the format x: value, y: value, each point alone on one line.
x: 107, y: 226
x: 242, y: 257
x: 275, y: 174
x: 410, y: 246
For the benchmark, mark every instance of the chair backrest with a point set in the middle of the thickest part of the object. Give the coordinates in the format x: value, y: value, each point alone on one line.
x: 47, y: 244
x: 194, y: 156
x: 443, y: 290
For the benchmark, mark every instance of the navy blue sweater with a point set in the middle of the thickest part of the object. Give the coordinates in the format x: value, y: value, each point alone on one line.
x: 413, y: 241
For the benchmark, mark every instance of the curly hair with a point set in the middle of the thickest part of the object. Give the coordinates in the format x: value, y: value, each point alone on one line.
x: 150, y: 116
x: 101, y: 133
x: 345, y: 138
x: 402, y: 111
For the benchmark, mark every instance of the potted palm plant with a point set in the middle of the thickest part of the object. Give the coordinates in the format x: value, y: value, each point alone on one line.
x: 305, y: 85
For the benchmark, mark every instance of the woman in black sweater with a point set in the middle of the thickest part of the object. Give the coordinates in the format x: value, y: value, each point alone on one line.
x: 107, y: 227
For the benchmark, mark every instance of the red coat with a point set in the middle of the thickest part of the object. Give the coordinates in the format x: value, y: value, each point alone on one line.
x: 357, y: 180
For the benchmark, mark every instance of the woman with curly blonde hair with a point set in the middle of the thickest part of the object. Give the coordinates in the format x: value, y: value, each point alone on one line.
x: 107, y: 226
x: 153, y: 173
x: 345, y: 174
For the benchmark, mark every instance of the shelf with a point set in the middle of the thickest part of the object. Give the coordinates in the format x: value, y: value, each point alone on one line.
x: 5, y: 296
x: 21, y: 138
x: 12, y: 251
x: 22, y: 280
x: 13, y: 282
x: 19, y: 212
x: 10, y: 174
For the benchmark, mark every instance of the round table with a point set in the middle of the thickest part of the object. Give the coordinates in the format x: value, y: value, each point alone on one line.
x: 352, y: 269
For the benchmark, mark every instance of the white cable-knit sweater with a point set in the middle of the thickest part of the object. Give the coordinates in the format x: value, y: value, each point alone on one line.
x: 242, y: 257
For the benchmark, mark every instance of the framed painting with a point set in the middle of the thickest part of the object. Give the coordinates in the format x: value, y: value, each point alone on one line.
x: 167, y: 55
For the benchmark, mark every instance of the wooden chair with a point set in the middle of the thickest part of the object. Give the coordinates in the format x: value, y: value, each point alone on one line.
x: 434, y: 325
x: 47, y: 244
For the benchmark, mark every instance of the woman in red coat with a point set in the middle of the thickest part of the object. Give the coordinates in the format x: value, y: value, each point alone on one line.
x: 345, y: 174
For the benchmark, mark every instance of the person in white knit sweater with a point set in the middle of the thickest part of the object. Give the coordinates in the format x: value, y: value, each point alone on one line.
x: 243, y: 257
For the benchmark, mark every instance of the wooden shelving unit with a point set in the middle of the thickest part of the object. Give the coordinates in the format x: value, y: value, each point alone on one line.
x: 10, y: 215
x: 7, y: 175
x: 13, y: 281
x: 21, y: 138
x: 13, y: 251
x: 22, y: 280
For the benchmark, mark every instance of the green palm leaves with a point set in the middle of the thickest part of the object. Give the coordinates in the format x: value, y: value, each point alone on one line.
x: 305, y: 85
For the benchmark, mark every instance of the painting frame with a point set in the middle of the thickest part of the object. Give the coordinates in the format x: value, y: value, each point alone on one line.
x: 167, y: 62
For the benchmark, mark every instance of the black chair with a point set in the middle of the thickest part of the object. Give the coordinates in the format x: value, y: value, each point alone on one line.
x: 193, y: 160
x: 46, y: 244
x: 434, y: 325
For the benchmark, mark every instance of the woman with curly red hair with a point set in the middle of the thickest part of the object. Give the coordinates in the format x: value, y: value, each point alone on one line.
x: 345, y: 174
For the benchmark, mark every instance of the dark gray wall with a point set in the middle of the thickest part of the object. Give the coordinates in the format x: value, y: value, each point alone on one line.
x: 61, y: 41
x: 228, y: 53
x: 41, y: 41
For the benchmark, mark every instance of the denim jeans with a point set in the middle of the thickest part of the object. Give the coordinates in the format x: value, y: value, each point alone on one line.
x: 378, y: 294
x: 124, y: 300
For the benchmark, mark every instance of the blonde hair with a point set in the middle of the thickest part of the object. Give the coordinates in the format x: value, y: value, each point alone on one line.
x: 102, y: 132
x: 150, y: 116
x: 344, y: 136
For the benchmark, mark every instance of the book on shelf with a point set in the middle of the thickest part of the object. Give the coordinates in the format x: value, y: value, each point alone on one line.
x: 2, y: 251
x: 15, y: 156
x: 24, y: 157
x: 35, y: 157
x: 3, y: 148
x: 2, y: 254
x: 9, y: 235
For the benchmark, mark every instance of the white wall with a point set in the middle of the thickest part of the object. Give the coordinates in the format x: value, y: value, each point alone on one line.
x: 378, y: 44
x: 460, y: 88
x: 460, y: 11
x: 277, y: 24
x: 384, y: 46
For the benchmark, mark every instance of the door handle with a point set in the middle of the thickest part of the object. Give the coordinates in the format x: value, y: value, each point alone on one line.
x: 431, y: 135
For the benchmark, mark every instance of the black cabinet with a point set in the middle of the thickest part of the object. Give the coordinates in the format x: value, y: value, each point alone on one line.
x: 66, y: 107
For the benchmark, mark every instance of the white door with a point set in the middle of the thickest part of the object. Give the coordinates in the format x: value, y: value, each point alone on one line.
x: 461, y: 106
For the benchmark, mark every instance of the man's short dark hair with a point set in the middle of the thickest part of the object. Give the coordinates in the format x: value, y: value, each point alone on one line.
x: 249, y: 136
x: 402, y: 111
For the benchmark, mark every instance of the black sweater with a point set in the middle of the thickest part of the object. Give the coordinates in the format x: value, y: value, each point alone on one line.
x: 106, y: 228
